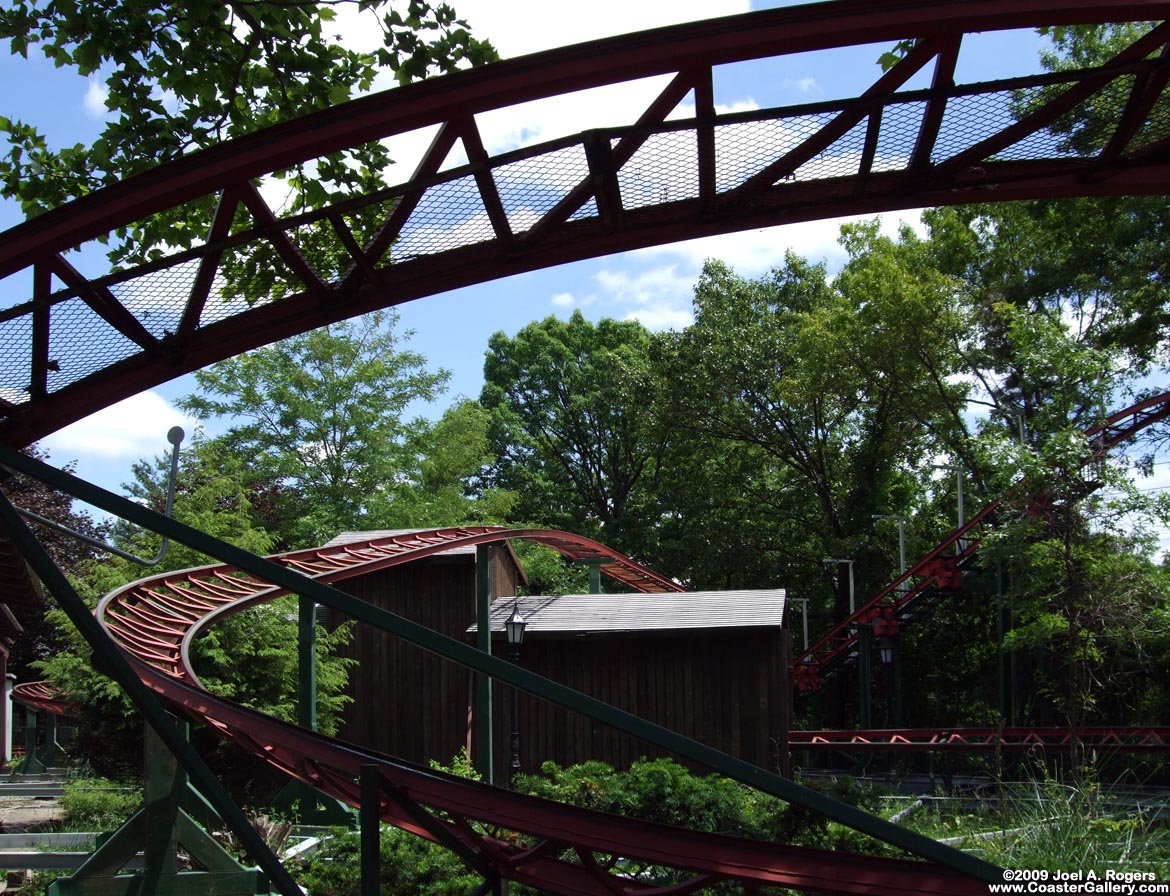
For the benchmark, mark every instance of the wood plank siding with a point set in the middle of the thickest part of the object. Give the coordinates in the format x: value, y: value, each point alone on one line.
x: 712, y: 666
x: 408, y: 702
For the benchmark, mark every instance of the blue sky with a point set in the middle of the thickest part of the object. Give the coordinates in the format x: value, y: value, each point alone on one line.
x: 451, y: 330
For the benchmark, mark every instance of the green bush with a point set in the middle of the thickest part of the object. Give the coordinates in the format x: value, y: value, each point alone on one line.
x: 410, y: 866
x: 99, y: 804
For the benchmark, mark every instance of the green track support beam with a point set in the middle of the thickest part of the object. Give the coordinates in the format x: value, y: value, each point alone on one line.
x: 114, y: 664
x: 160, y: 829
x: 307, y: 664
x: 371, y: 830
x: 32, y: 763
x: 484, y: 729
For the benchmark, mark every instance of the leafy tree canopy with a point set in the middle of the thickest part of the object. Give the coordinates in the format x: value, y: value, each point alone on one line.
x: 569, y: 424
x: 323, y: 412
x: 183, y: 76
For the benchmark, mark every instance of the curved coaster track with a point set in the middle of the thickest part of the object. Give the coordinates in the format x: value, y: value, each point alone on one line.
x: 74, y: 343
x: 940, y: 571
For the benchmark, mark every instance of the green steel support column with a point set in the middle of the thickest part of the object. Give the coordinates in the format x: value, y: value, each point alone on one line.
x: 595, y: 577
x: 160, y: 829
x: 457, y: 651
x: 31, y: 764
x: 484, y: 754
x: 307, y: 663
x: 371, y: 830
x: 1000, y: 636
x: 898, y: 722
x: 865, y: 669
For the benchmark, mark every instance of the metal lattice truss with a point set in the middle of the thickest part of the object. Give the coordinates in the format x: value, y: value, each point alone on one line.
x: 940, y: 571
x: 78, y: 343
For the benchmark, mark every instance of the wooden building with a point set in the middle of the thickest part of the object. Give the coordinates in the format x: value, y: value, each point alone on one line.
x: 710, y: 665
x: 408, y: 702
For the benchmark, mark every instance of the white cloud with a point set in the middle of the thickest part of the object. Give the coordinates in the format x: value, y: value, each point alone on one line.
x: 660, y: 296
x: 662, y: 317
x: 753, y: 252
x: 563, y: 300
x: 518, y: 27
x: 806, y: 86
x: 96, y: 95
x: 133, y: 428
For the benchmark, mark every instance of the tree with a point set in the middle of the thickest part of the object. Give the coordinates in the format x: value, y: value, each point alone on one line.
x: 831, y: 392
x: 450, y: 458
x: 182, y: 76
x: 247, y: 657
x: 39, y: 639
x: 571, y: 427
x: 322, y: 413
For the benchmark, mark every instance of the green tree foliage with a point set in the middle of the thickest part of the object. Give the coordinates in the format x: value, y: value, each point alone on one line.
x: 323, y: 414
x: 182, y: 76
x: 570, y: 426
x: 39, y: 639
x: 246, y: 657
x: 814, y: 404
x: 450, y: 458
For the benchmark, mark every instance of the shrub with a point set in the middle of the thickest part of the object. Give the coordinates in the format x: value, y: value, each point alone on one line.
x: 410, y: 866
x: 99, y: 804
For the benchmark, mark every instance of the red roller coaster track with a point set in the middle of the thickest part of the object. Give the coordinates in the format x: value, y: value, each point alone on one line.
x: 940, y: 570
x: 77, y: 344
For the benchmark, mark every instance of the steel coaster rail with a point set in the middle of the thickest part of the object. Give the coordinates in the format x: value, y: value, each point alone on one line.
x: 941, y: 567
x: 335, y: 768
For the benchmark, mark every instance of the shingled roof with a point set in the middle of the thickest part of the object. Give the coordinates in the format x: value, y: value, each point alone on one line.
x: 586, y: 614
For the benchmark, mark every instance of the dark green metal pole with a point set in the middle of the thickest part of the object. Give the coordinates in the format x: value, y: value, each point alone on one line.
x: 484, y: 755
x: 595, y: 577
x: 307, y: 663
x: 1000, y: 638
x: 371, y: 830
x: 865, y: 667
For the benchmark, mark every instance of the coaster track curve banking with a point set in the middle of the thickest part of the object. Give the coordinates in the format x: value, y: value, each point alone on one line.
x: 75, y: 343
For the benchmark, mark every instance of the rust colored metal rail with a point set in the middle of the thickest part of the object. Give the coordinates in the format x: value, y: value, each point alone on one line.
x: 510, y: 835
x: 156, y: 618
x: 1122, y: 739
x: 40, y: 695
x: 940, y: 571
x: 74, y: 344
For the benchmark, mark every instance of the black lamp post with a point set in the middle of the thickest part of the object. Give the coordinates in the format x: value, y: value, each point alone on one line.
x: 514, y: 629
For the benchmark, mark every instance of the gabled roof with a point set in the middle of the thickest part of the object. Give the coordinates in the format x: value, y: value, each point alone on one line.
x: 581, y: 614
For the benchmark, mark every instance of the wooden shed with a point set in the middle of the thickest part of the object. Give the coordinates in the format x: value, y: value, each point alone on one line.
x: 408, y: 702
x: 712, y: 665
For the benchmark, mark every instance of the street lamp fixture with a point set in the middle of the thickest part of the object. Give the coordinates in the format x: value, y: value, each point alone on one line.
x: 886, y: 649
x: 514, y: 630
